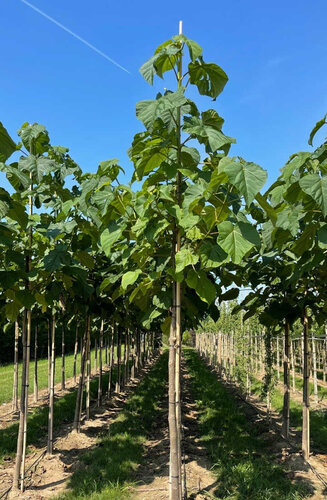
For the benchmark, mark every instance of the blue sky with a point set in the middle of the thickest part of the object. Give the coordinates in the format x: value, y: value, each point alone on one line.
x: 275, y: 54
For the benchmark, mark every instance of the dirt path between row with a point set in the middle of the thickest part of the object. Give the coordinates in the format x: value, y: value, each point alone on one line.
x: 52, y: 474
x: 9, y: 417
x: 286, y: 452
x: 153, y: 476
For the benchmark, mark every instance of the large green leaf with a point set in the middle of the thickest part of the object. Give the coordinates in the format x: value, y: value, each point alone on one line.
x: 231, y: 240
x: 185, y: 257
x: 247, y: 177
x: 204, y: 288
x: 7, y: 145
x: 208, y: 77
x: 149, y: 111
x: 56, y: 258
x: 212, y: 255
x: 110, y: 235
x: 316, y: 187
x: 129, y: 278
x: 206, y: 134
x: 317, y: 127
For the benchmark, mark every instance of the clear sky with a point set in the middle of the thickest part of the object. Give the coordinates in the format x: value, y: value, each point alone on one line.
x: 275, y: 54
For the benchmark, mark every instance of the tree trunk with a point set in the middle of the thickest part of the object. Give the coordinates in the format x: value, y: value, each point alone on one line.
x: 118, y: 380
x: 100, y: 365
x: 111, y: 359
x: 15, y: 383
x: 293, y: 365
x: 75, y: 353
x: 95, y: 355
x: 49, y: 357
x: 174, y: 472
x: 306, y: 401
x: 88, y: 369
x: 52, y: 384
x: 314, y: 369
x: 286, y: 363
x: 79, y: 397
x: 63, y: 381
x: 18, y: 472
x: 35, y: 385
x: 277, y: 359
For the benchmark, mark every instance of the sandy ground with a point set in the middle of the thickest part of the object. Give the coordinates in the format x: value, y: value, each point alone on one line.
x: 50, y: 476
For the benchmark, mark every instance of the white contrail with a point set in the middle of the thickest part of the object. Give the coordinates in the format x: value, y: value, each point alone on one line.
x: 75, y: 35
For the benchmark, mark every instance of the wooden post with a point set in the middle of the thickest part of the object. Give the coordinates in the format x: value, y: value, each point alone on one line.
x: 15, y: 382
x: 314, y: 368
x: 100, y: 365
x: 63, y: 384
x: 52, y: 383
x: 306, y: 400
x: 286, y: 363
x: 75, y: 353
x: 35, y: 385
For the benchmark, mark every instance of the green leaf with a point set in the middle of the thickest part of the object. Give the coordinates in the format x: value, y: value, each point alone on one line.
x: 204, y: 288
x: 7, y: 145
x: 316, y: 187
x: 26, y: 298
x: 194, y: 48
x: 247, y: 177
x: 185, y: 257
x: 56, y: 258
x: 289, y: 219
x: 206, y: 134
x: 317, y: 127
x: 148, y: 111
x: 110, y: 235
x: 12, y: 310
x: 212, y: 255
x: 231, y: 240
x: 208, y: 77
x: 231, y: 294
x: 129, y: 278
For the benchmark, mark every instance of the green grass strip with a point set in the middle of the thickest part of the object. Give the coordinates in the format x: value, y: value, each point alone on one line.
x: 37, y: 422
x: 242, y: 466
x: 7, y: 373
x: 108, y: 470
x: 318, y: 418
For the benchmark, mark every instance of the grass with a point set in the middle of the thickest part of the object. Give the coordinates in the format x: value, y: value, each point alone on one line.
x: 242, y: 465
x: 318, y: 418
x: 7, y: 374
x: 37, y: 423
x: 108, y: 470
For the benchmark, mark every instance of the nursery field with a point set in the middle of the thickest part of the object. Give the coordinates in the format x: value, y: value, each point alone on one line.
x: 163, y: 337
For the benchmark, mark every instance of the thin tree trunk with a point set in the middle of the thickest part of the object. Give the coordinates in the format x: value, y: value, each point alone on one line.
x: 63, y: 381
x: 16, y: 366
x: 75, y: 353
x: 133, y: 356
x: 49, y: 357
x: 172, y: 420
x: 52, y: 383
x: 314, y: 368
x: 18, y: 472
x: 35, y: 387
x: 118, y: 381
x: 306, y: 401
x: 293, y: 365
x: 88, y: 370
x: 277, y: 360
x: 100, y: 365
x: 286, y: 363
x: 95, y: 355
x: 111, y: 359
x: 79, y: 397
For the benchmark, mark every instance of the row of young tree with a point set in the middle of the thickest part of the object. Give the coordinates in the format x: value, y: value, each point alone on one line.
x: 246, y: 351
x: 160, y: 257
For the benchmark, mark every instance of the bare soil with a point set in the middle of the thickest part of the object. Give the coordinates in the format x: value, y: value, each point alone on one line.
x: 153, y: 476
x: 50, y: 476
x: 286, y: 452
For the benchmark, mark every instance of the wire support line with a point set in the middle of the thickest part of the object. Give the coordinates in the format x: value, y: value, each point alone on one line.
x: 70, y: 32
